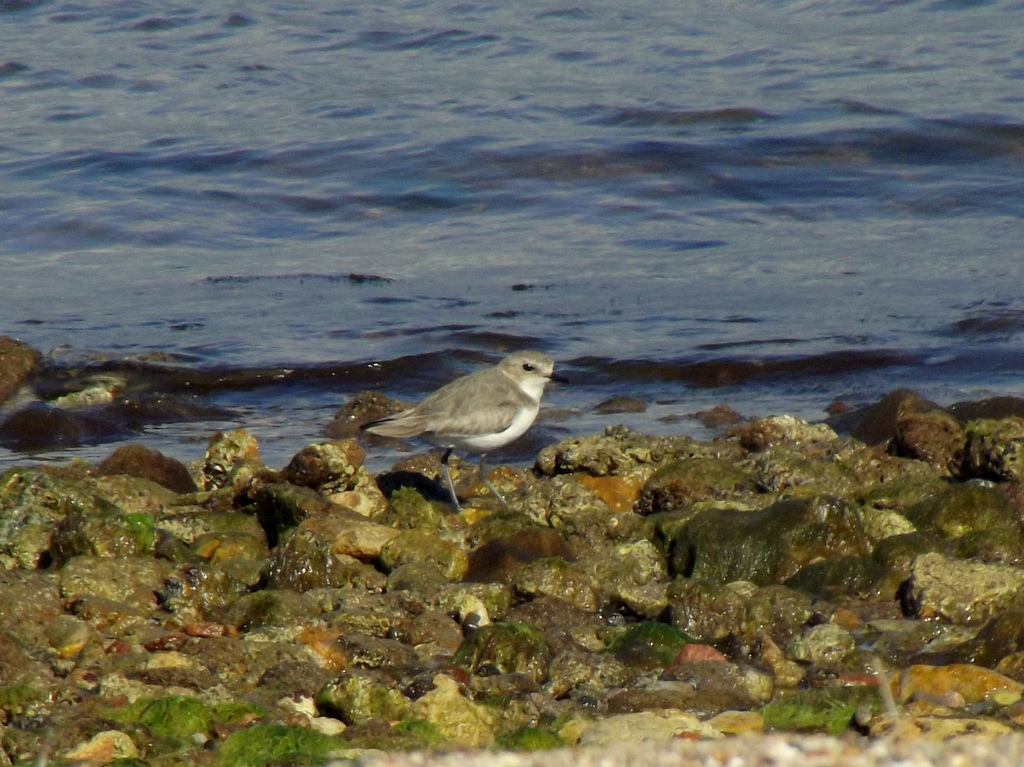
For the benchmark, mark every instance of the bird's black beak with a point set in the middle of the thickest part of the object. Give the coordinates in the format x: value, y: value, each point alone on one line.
x: 559, y: 379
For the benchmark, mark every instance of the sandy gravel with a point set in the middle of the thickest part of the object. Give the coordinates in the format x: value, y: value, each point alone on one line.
x: 768, y: 751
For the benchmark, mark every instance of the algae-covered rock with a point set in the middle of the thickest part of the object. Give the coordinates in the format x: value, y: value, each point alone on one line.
x: 618, y: 451
x: 261, y: 744
x: 580, y: 674
x: 691, y: 480
x: 830, y: 709
x: 996, y: 544
x: 199, y: 591
x: 359, y: 539
x: 33, y: 502
x: 1001, y: 637
x: 995, y: 449
x: 766, y: 546
x: 831, y: 578
x: 962, y: 509
x: 776, y: 611
x: 278, y: 607
x: 68, y: 635
x: 762, y: 433
x: 622, y: 571
x: 823, y: 646
x: 649, y: 645
x: 355, y: 696
x: 928, y: 433
x: 417, y: 546
x: 531, y: 739
x: 133, y: 580
x: 335, y: 469
x: 231, y: 461
x: 555, y: 577
x: 963, y: 592
x: 475, y: 603
x: 320, y: 464
x: 280, y: 506
x: 704, y: 610
x: 303, y: 561
x: 17, y: 361
x: 506, y: 647
x: 110, y: 534
x: 898, y: 552
x: 461, y: 721
x: 177, y: 716
x: 355, y: 650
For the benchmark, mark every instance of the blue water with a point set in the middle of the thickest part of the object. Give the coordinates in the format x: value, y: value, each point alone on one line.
x: 830, y: 191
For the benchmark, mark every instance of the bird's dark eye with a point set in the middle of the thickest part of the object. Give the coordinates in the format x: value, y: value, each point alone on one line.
x: 528, y: 367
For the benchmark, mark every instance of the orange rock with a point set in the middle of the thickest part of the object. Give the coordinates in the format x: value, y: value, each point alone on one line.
x: 322, y: 642
x: 973, y: 683
x: 846, y: 619
x: 620, y: 493
x: 696, y: 652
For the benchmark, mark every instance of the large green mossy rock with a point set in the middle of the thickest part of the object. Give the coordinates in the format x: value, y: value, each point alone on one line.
x: 766, y: 546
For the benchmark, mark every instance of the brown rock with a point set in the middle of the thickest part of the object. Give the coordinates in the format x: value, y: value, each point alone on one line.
x: 146, y: 463
x: 17, y: 361
x: 363, y: 408
x: 973, y: 683
x: 928, y: 433
x: 498, y: 560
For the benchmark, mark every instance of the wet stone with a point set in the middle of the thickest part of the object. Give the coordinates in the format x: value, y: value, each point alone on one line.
x: 851, y: 576
x: 303, y: 561
x: 928, y: 433
x: 995, y: 450
x: 766, y: 546
x: 500, y: 558
x: 961, y: 591
x: 649, y: 645
x: 146, y: 463
x: 705, y: 610
x: 133, y: 580
x: 39, y: 427
x: 363, y: 408
x: 109, y: 534
x: 620, y: 404
x: 876, y: 423
x: 360, y: 695
x: 270, y: 608
x: 415, y: 546
x: 689, y: 481
x: 962, y: 509
x: 999, y: 638
x: 17, y: 361
x: 506, y: 647
x: 322, y: 464
x: 554, y: 577
x: 231, y: 461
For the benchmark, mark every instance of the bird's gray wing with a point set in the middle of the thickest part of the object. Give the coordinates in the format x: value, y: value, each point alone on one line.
x: 481, y: 403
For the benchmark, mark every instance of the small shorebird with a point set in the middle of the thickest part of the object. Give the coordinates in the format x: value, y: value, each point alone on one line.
x: 478, y: 412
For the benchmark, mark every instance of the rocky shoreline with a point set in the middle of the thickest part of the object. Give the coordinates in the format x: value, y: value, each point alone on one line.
x: 761, y: 590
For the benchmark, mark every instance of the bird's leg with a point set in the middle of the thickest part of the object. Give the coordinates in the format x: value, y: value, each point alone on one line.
x: 487, y: 482
x: 448, y: 478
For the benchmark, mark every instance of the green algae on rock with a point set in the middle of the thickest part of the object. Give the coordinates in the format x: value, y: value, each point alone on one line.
x: 506, y: 647
x: 767, y: 546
